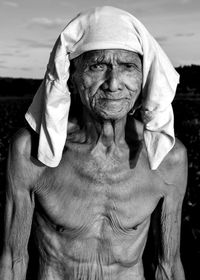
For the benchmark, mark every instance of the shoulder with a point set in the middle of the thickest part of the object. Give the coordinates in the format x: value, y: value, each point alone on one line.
x: 21, y: 164
x: 20, y: 147
x: 20, y: 144
x: 174, y: 168
x: 24, y: 144
x: 177, y: 157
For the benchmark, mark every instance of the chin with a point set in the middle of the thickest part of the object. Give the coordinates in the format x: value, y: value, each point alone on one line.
x: 107, y: 115
x: 112, y: 110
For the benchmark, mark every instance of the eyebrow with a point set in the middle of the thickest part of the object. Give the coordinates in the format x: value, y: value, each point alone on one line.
x: 120, y: 60
x: 98, y: 56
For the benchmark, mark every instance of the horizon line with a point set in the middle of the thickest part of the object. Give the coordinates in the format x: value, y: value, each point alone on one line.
x: 26, y: 78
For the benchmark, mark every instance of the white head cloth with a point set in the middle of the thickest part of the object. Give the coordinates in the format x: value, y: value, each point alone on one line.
x: 105, y: 28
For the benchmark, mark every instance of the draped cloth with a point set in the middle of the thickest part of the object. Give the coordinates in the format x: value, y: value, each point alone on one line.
x: 105, y: 28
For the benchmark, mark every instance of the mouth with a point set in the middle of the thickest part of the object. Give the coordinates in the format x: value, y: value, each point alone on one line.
x: 113, y: 99
x: 113, y: 107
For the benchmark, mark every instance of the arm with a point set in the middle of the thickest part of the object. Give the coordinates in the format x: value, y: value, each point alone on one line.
x: 18, y: 212
x: 169, y: 262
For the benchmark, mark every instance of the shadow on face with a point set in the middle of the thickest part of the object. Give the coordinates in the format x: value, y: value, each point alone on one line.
x: 108, y: 82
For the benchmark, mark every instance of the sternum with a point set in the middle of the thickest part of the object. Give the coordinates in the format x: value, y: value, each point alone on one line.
x: 100, y: 223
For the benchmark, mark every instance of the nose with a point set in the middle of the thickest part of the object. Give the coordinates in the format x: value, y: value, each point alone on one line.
x: 112, y: 81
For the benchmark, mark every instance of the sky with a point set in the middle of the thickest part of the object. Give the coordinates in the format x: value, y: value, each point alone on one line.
x: 29, y: 29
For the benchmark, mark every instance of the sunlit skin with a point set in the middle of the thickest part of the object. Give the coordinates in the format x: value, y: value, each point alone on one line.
x: 109, y: 82
x: 92, y: 213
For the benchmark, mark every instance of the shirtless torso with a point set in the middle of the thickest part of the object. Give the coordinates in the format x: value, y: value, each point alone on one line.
x: 90, y: 215
x: 96, y: 214
x: 92, y: 212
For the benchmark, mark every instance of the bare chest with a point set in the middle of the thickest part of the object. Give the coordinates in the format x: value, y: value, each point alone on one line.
x: 87, y: 192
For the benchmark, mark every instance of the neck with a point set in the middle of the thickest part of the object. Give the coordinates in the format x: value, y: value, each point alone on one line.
x: 107, y: 132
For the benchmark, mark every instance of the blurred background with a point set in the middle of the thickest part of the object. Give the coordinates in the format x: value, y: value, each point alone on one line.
x: 28, y: 30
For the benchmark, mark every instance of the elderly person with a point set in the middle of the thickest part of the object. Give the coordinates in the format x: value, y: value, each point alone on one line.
x: 86, y: 178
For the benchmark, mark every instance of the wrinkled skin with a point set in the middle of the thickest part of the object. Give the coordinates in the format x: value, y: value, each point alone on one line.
x: 109, y: 82
x: 92, y: 213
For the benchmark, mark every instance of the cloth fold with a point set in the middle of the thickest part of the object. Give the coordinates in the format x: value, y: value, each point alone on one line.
x: 105, y: 28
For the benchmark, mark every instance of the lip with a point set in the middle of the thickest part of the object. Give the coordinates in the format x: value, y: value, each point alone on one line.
x: 114, y: 99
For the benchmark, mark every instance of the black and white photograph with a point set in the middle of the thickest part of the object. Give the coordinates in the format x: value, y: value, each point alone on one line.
x: 99, y: 140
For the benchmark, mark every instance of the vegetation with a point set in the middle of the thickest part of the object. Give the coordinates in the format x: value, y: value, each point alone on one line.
x: 189, y: 80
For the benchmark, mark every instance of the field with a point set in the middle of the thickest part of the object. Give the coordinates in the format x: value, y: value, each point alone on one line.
x: 187, y: 128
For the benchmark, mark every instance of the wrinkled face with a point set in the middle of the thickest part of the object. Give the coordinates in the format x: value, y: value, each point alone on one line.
x: 108, y: 82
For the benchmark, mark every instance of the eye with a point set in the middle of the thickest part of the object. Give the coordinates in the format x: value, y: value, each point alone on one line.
x: 98, y: 67
x: 130, y: 66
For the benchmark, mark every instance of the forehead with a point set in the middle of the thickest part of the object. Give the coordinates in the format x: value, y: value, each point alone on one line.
x: 111, y: 55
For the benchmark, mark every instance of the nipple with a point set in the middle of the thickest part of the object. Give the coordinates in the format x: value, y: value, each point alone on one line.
x: 60, y: 228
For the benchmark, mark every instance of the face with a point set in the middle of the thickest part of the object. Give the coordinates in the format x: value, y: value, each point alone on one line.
x: 108, y: 82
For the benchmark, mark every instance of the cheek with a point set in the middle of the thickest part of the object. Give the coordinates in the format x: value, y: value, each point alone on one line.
x: 90, y: 85
x: 87, y: 88
x: 92, y: 81
x: 134, y: 84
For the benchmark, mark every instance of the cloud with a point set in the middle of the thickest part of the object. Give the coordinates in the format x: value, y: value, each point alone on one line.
x: 20, y: 53
x: 7, y: 54
x: 13, y: 52
x: 161, y: 39
x: 4, y: 67
x: 190, y: 34
x: 11, y: 4
x: 25, y: 68
x: 16, y: 68
x: 35, y: 44
x: 47, y: 23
